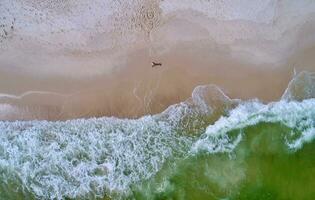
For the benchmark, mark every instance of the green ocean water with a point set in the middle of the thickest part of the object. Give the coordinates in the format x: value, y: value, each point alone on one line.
x: 261, y: 167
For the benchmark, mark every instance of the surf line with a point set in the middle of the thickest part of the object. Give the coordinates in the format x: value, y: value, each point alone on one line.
x: 12, y: 96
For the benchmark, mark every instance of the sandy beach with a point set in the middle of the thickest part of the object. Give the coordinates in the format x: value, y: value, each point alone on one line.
x: 70, y: 71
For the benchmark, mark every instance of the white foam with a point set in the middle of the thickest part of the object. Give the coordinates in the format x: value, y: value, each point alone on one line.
x: 86, y: 158
x: 295, y: 115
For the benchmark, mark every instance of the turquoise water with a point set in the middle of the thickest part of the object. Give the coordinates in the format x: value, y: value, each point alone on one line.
x: 208, y: 147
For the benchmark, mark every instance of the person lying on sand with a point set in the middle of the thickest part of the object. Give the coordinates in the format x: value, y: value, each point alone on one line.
x: 154, y: 64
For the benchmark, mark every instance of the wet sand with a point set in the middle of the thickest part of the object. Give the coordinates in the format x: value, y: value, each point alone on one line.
x: 135, y: 88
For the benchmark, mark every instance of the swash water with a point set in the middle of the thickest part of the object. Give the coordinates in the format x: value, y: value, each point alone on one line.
x: 208, y: 147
